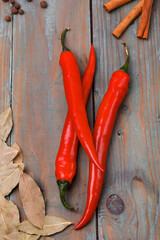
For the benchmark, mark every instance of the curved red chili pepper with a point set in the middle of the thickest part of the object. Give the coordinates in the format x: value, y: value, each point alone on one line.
x: 67, y: 153
x: 74, y: 96
x: 106, y: 116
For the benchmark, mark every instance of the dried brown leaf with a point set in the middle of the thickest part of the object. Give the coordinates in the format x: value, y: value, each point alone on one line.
x: 25, y: 236
x: 32, y: 200
x: 46, y: 238
x: 6, y: 124
x: 11, y: 236
x: 20, y: 236
x: 19, y: 157
x: 51, y: 226
x: 9, y: 217
x: 9, y: 177
x: 7, y: 154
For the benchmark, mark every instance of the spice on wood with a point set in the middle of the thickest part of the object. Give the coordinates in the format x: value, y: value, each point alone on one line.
x: 69, y: 138
x: 7, y: 18
x: 17, y: 5
x: 12, y: 1
x: 134, y: 13
x: 14, y: 10
x: 102, y: 132
x: 21, y: 12
x: 74, y: 97
x: 43, y: 4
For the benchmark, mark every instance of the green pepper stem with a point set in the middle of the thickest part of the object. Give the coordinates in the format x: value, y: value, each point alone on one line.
x: 64, y: 48
x: 125, y: 66
x: 63, y: 186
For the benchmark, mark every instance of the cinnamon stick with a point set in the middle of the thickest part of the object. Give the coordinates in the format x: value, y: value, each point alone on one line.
x: 134, y: 13
x: 144, y: 18
x: 145, y: 34
x: 113, y: 4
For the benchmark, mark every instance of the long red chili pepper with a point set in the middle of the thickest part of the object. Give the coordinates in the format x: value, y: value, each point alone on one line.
x: 106, y: 116
x: 67, y: 153
x: 74, y: 96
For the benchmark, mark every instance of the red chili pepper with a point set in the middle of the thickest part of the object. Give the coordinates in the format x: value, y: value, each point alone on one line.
x: 66, y: 157
x: 74, y: 96
x: 106, y: 116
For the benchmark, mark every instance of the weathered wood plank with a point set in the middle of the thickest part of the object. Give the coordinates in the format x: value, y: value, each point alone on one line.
x: 5, y: 58
x: 133, y: 166
x: 39, y: 108
x: 39, y: 104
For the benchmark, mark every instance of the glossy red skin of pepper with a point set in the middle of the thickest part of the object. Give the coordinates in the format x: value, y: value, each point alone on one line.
x: 67, y: 153
x: 104, y: 124
x: 76, y: 107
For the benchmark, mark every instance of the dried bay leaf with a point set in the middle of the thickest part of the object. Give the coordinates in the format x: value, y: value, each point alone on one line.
x: 51, y: 226
x: 7, y: 154
x: 19, y: 157
x: 6, y: 124
x: 11, y: 236
x: 25, y: 236
x: 46, y: 238
x: 21, y: 236
x: 9, y: 216
x: 32, y: 200
x: 9, y: 177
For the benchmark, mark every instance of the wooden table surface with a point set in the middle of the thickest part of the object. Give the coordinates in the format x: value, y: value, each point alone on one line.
x: 31, y: 79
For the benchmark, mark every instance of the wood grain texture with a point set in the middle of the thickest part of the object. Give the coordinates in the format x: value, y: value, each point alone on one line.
x: 32, y: 80
x: 5, y: 58
x: 39, y: 103
x: 133, y: 166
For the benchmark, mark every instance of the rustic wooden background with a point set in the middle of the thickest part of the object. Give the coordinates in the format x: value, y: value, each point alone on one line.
x: 31, y: 79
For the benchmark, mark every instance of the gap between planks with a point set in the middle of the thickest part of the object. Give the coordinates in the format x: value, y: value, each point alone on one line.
x: 93, y: 102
